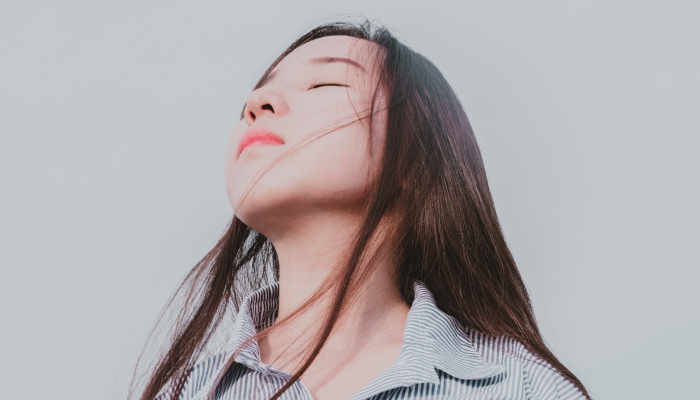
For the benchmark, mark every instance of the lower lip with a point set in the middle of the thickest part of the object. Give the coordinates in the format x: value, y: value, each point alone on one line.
x: 268, y: 142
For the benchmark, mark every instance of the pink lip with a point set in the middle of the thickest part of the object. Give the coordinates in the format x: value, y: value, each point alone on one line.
x: 259, y: 137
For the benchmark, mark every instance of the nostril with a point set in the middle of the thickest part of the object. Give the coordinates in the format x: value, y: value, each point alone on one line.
x: 252, y: 116
x: 267, y: 107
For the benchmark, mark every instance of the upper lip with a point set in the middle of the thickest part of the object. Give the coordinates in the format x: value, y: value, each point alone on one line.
x: 256, y: 134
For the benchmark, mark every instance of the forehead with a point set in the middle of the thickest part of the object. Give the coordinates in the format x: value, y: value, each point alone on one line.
x: 359, y: 50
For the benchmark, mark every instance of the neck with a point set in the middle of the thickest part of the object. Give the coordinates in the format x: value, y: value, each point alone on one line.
x: 308, y: 254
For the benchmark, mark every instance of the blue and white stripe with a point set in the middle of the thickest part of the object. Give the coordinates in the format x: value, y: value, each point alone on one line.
x: 439, y: 359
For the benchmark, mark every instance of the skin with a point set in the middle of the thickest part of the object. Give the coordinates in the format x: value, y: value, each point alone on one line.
x: 309, y: 205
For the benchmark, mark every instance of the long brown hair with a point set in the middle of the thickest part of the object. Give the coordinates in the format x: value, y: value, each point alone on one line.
x: 447, y: 233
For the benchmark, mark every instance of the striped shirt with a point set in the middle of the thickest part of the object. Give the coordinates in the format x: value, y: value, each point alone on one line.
x: 439, y: 359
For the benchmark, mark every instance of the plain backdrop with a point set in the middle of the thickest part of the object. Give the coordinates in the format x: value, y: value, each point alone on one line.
x: 113, y: 121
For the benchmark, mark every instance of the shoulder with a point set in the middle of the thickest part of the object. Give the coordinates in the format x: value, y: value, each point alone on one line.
x: 524, y: 369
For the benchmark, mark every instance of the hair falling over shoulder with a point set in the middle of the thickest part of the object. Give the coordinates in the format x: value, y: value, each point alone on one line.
x: 448, y: 233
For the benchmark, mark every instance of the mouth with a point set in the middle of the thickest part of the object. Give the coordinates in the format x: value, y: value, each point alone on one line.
x: 258, y: 137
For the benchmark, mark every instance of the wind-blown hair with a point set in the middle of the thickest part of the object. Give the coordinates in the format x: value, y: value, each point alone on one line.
x: 447, y: 233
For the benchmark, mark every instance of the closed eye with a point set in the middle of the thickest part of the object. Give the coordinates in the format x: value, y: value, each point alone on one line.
x: 318, y: 85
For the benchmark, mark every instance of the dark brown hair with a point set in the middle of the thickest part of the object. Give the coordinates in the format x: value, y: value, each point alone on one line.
x: 447, y: 233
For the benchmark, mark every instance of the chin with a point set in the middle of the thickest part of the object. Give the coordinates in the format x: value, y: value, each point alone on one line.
x: 264, y: 204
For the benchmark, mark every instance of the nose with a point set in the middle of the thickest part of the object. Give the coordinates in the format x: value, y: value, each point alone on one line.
x: 264, y: 102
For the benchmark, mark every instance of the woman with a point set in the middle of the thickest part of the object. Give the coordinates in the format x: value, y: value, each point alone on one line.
x: 365, y: 258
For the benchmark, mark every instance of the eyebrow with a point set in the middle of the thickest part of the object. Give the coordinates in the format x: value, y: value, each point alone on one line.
x: 320, y: 60
x: 329, y: 60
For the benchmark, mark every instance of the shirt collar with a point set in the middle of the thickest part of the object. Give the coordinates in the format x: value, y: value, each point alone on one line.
x: 433, y: 340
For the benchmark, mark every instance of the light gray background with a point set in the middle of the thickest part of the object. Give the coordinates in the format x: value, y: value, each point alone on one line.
x: 114, y: 117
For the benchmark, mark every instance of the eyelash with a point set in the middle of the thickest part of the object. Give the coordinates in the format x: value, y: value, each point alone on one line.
x: 318, y: 85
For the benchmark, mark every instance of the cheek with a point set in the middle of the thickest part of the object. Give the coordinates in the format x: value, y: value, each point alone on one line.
x: 334, y: 166
x: 341, y: 156
x: 332, y: 173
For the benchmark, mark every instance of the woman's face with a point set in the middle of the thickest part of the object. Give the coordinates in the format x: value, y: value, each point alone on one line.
x: 314, y: 96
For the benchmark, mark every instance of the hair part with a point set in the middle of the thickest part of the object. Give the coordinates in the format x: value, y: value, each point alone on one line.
x: 447, y: 232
